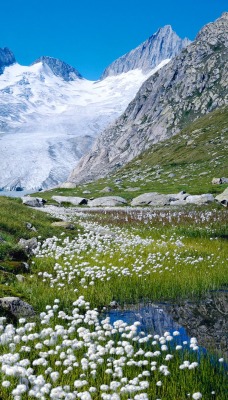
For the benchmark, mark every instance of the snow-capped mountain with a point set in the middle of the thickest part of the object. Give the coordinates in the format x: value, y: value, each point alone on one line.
x: 59, y: 68
x: 50, y: 117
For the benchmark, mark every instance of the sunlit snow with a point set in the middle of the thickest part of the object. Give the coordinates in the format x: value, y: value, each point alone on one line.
x: 47, y: 124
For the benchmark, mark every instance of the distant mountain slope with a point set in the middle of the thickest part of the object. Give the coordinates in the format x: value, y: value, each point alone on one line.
x: 192, y: 84
x: 162, y: 45
x: 186, y: 161
x: 59, y: 68
x: 6, y: 58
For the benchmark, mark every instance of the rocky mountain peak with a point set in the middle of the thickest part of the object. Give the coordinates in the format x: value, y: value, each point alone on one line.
x: 6, y: 58
x: 60, y: 68
x: 191, y: 85
x: 162, y: 45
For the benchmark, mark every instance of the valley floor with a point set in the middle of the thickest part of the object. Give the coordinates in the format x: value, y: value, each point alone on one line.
x: 105, y: 258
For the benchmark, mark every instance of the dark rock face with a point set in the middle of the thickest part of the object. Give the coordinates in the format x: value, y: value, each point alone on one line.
x: 6, y: 58
x: 162, y: 45
x: 190, y: 85
x: 206, y: 320
x: 60, y: 68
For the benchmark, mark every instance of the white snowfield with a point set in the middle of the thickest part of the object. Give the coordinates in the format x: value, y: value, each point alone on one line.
x: 47, y: 124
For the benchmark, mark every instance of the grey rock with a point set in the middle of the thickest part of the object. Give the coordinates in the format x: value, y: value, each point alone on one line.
x: 29, y: 245
x: 132, y: 189
x: 108, y: 201
x: 103, y: 232
x: 151, y: 199
x: 200, y: 199
x: 178, y: 203
x: 107, y: 189
x: 16, y: 307
x: 216, y: 181
x: 20, y: 278
x: 181, y: 196
x: 223, y: 198
x: 75, y: 201
x: 162, y: 45
x: 190, y: 85
x: 33, y: 201
x: 59, y: 68
x: 113, y: 304
x: 63, y: 224
x: 224, y: 180
x: 30, y: 227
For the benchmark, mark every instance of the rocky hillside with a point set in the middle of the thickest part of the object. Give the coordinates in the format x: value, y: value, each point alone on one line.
x: 6, y: 58
x: 162, y: 45
x: 192, y: 84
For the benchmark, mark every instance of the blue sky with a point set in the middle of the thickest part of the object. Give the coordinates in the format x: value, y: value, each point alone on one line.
x: 90, y: 34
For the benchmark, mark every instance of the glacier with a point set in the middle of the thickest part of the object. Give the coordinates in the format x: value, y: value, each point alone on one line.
x: 47, y: 123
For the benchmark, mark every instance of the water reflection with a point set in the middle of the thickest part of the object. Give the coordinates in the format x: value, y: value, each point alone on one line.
x: 207, y: 320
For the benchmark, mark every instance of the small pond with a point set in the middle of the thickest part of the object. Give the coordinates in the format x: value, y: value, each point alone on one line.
x: 207, y: 320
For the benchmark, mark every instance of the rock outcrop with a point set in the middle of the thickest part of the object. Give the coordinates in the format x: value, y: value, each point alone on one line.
x: 6, y: 58
x: 16, y: 307
x: 59, y: 68
x: 192, y: 84
x: 223, y: 198
x: 164, y: 44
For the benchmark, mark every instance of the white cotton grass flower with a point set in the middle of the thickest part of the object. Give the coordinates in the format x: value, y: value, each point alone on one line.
x: 6, y: 384
x: 197, y: 396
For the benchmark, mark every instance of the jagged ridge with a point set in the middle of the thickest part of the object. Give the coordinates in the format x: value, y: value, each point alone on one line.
x: 163, y: 44
x: 192, y: 84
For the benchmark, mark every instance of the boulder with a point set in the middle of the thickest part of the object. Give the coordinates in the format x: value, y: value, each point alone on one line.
x: 75, y: 201
x: 33, y: 201
x: 28, y: 245
x: 181, y: 196
x: 20, y: 278
x: 200, y: 199
x: 223, y: 198
x: 108, y: 201
x: 107, y: 189
x: 17, y: 307
x: 151, y: 199
x: 219, y: 181
x: 30, y: 227
x: 63, y: 224
x: 178, y: 202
